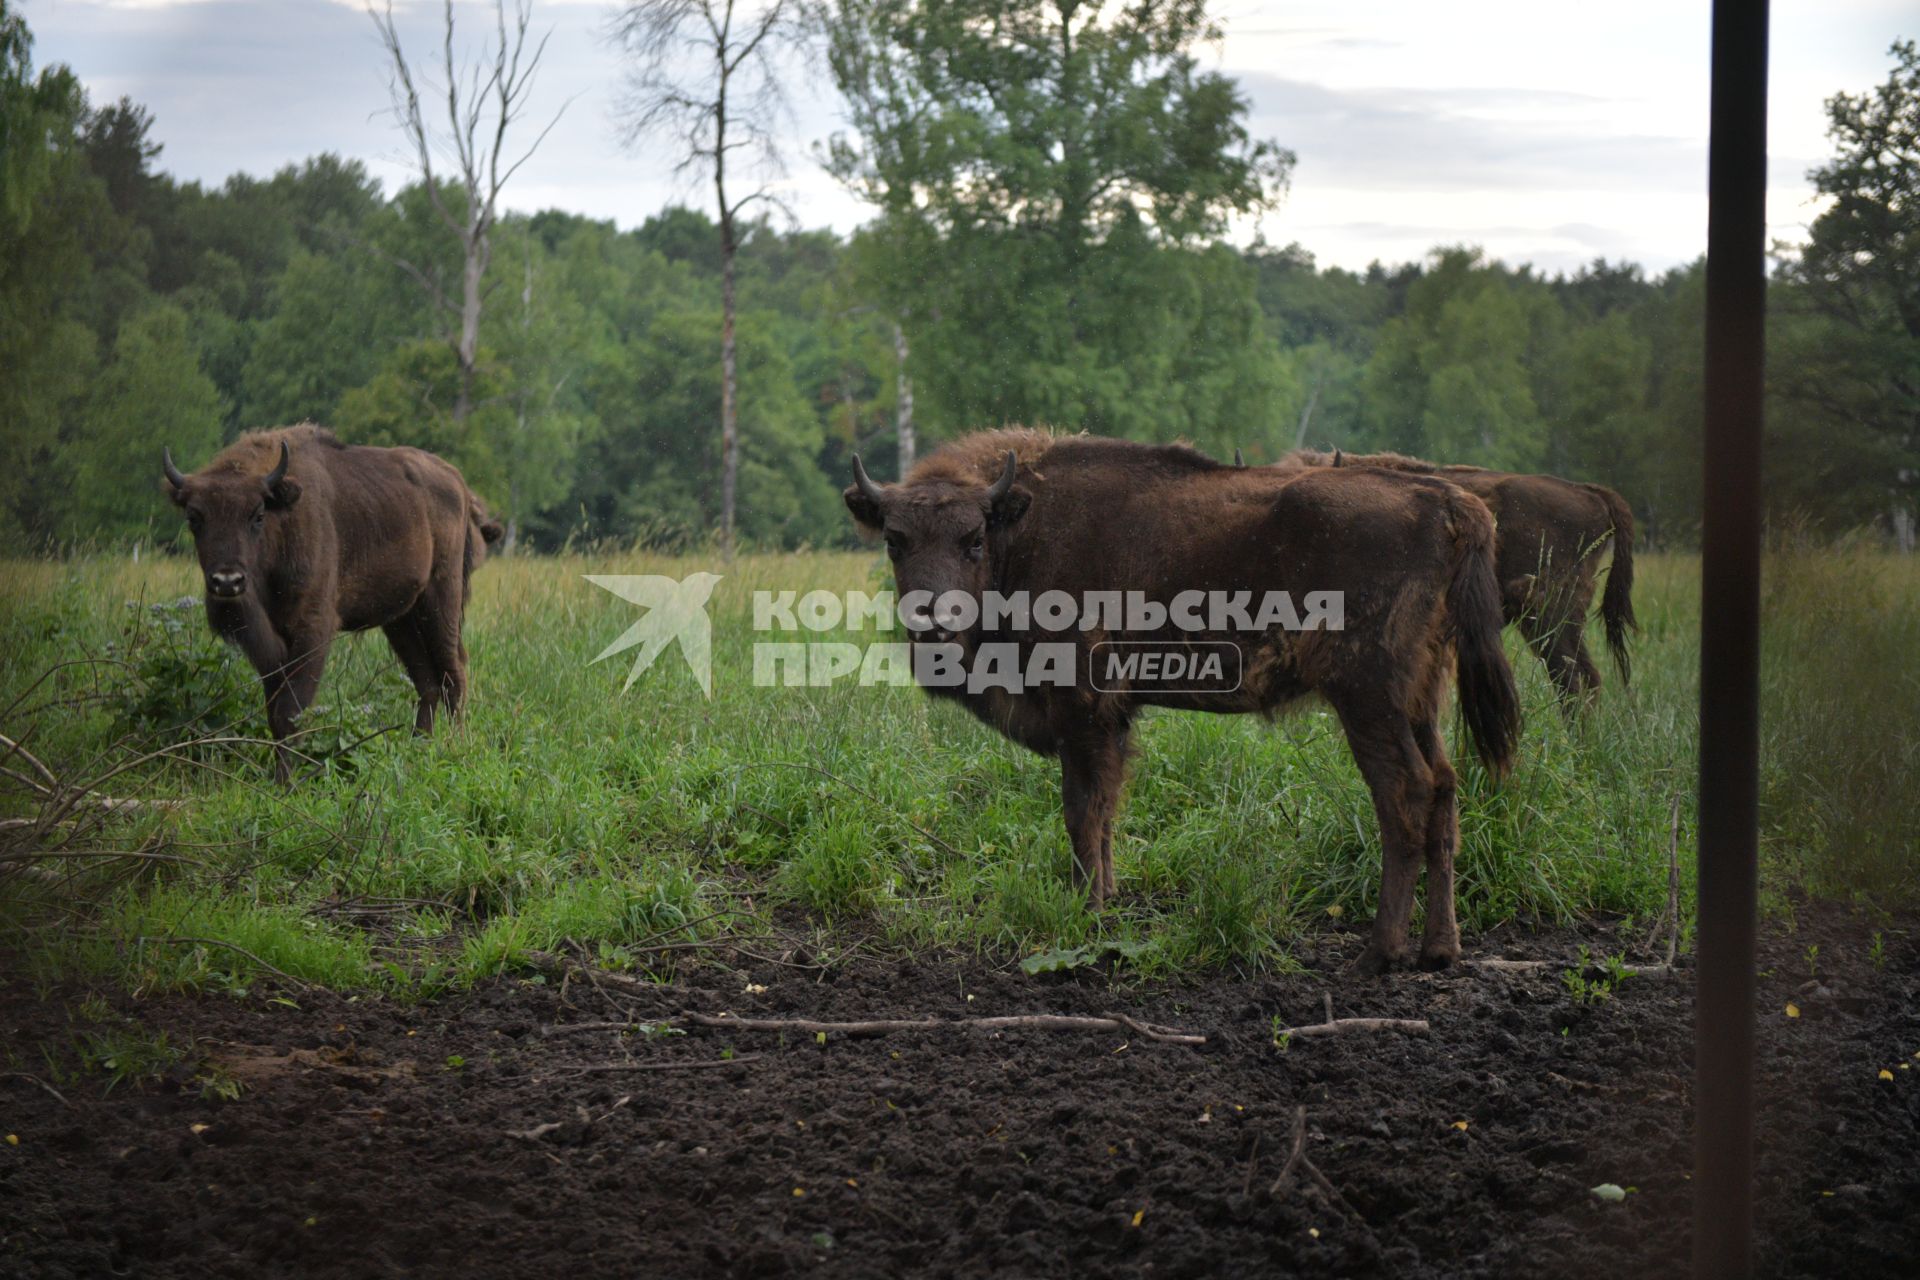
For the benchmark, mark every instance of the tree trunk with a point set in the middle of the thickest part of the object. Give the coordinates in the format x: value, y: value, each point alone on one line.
x: 903, y: 403
x: 729, y: 425
x: 1306, y: 415
x: 468, y: 350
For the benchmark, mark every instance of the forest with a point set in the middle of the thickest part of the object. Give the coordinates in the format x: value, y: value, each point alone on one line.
x: 1089, y: 286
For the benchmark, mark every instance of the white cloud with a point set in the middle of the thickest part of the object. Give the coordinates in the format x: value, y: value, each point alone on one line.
x: 1545, y: 133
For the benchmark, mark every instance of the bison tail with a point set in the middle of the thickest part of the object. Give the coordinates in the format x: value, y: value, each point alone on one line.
x: 1616, y: 603
x: 1489, y: 699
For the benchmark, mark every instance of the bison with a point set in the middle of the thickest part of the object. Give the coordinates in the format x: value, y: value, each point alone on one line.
x: 1551, y: 533
x: 301, y: 537
x: 1021, y: 511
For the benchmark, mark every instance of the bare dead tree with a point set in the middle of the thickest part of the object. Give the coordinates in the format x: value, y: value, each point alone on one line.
x: 705, y: 73
x: 485, y: 98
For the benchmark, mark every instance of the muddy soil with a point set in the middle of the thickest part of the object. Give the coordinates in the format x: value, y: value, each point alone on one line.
x: 373, y: 1138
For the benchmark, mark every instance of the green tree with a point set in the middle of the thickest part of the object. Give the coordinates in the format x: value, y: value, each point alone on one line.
x: 1047, y: 177
x: 1846, y: 354
x: 49, y: 203
x: 150, y: 393
x: 1451, y: 378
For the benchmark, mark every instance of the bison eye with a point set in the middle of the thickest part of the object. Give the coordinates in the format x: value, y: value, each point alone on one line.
x: 976, y: 546
x: 259, y: 517
x: 895, y: 545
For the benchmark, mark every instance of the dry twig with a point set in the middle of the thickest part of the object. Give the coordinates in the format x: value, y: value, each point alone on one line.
x: 1020, y: 1022
x: 1297, y: 1161
x: 610, y: 1068
x: 57, y: 1095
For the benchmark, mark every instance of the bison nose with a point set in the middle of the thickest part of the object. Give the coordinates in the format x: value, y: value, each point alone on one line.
x: 227, y: 583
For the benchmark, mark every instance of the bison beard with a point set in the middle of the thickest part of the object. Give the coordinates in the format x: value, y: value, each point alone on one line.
x: 1022, y: 511
x: 301, y: 537
x: 1551, y: 533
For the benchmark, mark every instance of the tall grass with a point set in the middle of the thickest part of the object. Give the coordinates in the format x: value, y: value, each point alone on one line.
x: 565, y: 810
x: 1840, y: 668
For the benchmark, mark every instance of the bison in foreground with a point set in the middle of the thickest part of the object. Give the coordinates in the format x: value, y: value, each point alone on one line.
x: 301, y: 537
x: 1551, y: 534
x: 1010, y: 512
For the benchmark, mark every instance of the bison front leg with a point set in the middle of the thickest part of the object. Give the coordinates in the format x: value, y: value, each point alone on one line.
x: 1092, y: 771
x: 290, y: 691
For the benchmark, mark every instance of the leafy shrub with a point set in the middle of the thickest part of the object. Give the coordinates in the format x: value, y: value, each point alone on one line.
x: 182, y: 683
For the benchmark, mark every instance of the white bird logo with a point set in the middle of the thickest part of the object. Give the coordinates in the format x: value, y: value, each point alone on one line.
x: 677, y: 610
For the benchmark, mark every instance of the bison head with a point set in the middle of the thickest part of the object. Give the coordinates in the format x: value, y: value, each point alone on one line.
x: 939, y: 535
x: 227, y: 511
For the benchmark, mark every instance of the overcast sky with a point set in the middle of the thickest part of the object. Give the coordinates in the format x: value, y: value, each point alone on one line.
x: 1547, y: 132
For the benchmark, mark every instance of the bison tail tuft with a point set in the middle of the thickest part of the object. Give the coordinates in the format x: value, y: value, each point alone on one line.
x: 1489, y: 699
x: 1616, y: 603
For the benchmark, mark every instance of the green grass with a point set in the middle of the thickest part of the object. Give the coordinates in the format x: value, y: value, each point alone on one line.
x: 565, y: 810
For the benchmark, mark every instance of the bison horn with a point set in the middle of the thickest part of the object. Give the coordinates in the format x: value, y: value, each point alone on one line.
x: 1238, y: 461
x: 1005, y: 482
x: 279, y: 473
x: 860, y: 477
x: 174, y: 477
x: 1338, y: 458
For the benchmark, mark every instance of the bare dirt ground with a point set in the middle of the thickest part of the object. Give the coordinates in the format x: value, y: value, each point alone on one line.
x: 459, y: 1138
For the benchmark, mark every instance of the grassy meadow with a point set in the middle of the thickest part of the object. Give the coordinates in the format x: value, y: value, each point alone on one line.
x: 566, y: 811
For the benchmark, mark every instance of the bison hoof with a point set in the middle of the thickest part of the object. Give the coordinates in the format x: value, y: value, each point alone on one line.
x: 1439, y: 957
x: 1377, y: 960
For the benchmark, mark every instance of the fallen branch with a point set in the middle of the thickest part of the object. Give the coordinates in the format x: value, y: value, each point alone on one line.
x: 1297, y: 1160
x: 1333, y: 1026
x: 538, y: 1131
x: 8, y: 747
x: 57, y: 1096
x: 609, y: 1068
x: 49, y: 787
x: 575, y: 1028
x: 542, y: 1130
x: 1341, y: 1026
x: 1017, y: 1022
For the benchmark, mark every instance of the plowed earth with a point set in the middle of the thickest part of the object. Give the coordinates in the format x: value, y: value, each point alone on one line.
x: 462, y: 1138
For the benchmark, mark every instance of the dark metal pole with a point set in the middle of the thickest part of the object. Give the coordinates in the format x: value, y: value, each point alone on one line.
x: 1730, y: 642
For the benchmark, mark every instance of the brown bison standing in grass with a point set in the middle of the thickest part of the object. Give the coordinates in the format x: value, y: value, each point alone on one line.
x: 301, y: 537
x: 1018, y: 511
x: 1551, y: 533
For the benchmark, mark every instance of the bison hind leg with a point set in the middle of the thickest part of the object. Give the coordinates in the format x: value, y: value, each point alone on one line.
x: 410, y: 646
x: 1559, y: 642
x: 1440, y: 941
x: 1381, y: 736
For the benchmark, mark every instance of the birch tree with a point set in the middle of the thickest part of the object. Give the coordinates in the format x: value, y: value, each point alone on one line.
x: 705, y: 74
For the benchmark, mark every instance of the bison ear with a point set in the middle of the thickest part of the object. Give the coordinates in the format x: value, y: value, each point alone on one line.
x: 283, y: 493
x: 866, y: 512
x: 1010, y: 506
